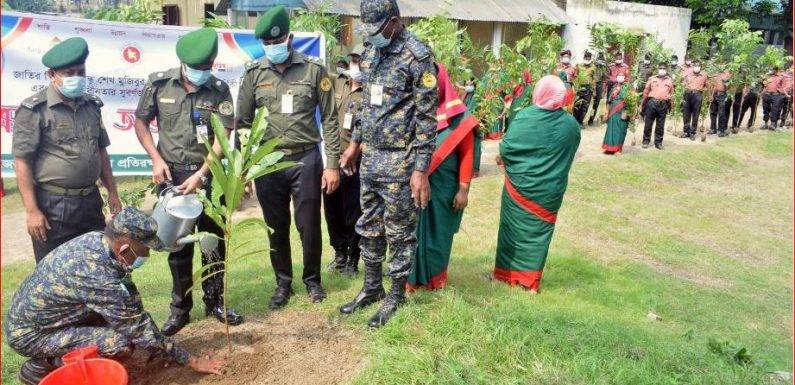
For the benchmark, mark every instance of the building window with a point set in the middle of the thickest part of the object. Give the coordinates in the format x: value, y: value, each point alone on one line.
x: 170, y: 15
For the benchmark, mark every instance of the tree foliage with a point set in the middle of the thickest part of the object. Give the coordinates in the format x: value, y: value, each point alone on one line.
x: 698, y: 42
x: 138, y: 11
x: 215, y: 21
x: 451, y: 46
x: 318, y: 20
x: 34, y: 6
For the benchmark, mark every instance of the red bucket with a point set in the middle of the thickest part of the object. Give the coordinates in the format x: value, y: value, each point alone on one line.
x: 94, y: 371
x: 86, y: 353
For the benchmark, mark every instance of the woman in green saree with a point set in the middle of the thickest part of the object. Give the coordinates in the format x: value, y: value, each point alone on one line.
x: 450, y: 173
x: 616, y: 118
x: 537, y: 154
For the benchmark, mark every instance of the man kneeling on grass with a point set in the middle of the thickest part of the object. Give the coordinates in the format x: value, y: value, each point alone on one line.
x: 82, y: 294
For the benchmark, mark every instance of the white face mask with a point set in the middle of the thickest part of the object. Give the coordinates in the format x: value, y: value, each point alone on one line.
x: 565, y: 60
x: 588, y: 61
x: 469, y: 89
x: 662, y: 72
x: 696, y: 69
x: 620, y: 78
x: 688, y: 62
x: 619, y: 61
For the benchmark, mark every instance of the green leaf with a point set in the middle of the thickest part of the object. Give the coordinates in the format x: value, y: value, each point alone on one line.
x: 252, y: 175
x: 220, y: 134
x: 262, y: 151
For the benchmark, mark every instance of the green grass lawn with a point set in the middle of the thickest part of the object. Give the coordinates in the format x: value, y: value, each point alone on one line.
x: 700, y: 235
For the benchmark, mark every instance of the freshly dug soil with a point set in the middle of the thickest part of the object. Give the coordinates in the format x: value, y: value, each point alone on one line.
x: 285, y: 347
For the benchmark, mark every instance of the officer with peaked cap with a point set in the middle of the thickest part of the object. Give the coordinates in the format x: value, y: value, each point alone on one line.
x: 183, y: 99
x: 59, y: 147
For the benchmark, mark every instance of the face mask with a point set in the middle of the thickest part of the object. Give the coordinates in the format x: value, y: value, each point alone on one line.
x: 565, y: 60
x: 277, y: 53
x: 73, y: 86
x: 662, y: 72
x: 469, y: 89
x: 619, y: 61
x: 696, y: 69
x: 139, y: 261
x: 688, y: 62
x: 379, y: 40
x: 197, y: 77
x: 355, y: 74
x: 588, y: 61
x: 340, y: 70
x: 646, y: 62
x: 620, y: 79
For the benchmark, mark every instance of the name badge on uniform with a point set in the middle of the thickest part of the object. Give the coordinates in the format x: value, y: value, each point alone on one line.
x: 347, y: 121
x: 376, y: 94
x: 201, y: 133
x: 167, y: 100
x: 287, y: 103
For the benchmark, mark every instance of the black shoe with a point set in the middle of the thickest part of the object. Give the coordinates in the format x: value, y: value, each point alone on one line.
x: 692, y: 136
x: 722, y: 134
x: 280, y: 297
x: 352, y: 265
x: 175, y: 323
x: 645, y: 145
x: 316, y: 293
x: 658, y: 146
x: 712, y: 132
x: 34, y: 369
x: 590, y: 121
x: 340, y: 258
x: 231, y: 318
x: 396, y: 298
x: 372, y: 292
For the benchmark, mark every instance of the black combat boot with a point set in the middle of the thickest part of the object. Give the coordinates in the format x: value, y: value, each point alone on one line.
x: 175, y: 323
x: 372, y: 292
x: 340, y: 257
x: 34, y: 369
x: 396, y: 298
x: 230, y: 316
x: 352, y: 265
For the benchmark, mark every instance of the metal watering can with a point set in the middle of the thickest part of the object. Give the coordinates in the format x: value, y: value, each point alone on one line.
x: 176, y: 215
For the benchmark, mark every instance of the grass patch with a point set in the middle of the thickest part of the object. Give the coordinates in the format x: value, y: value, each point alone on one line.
x: 701, y: 236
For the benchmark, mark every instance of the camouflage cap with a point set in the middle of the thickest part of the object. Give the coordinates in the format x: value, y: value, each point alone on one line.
x: 374, y: 12
x: 138, y: 226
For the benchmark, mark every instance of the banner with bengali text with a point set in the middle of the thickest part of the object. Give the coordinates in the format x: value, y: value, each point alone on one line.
x: 122, y: 55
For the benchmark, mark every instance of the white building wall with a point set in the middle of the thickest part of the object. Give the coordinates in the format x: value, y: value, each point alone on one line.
x: 669, y: 25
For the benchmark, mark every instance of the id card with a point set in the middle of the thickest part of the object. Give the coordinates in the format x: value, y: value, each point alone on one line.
x: 201, y: 133
x: 347, y: 121
x: 287, y: 104
x: 376, y: 94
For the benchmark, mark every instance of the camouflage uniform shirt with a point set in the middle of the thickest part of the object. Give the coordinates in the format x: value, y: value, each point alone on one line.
x: 398, y: 135
x: 74, y: 285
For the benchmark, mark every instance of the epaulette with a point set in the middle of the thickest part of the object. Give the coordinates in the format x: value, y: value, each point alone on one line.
x: 313, y: 60
x: 418, y: 48
x: 251, y: 65
x: 95, y: 99
x: 34, y: 100
x: 157, y: 76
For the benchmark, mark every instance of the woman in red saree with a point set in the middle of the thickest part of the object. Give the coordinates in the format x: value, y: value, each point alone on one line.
x: 450, y: 173
x: 537, y: 154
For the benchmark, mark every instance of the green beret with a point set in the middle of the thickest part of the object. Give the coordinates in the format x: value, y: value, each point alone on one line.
x: 69, y: 52
x: 198, y: 47
x: 273, y: 24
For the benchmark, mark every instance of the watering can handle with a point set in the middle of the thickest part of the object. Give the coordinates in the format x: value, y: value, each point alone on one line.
x: 168, y: 187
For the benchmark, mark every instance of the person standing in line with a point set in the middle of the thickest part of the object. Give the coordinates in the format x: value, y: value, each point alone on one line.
x: 587, y: 73
x: 771, y: 98
x: 657, y: 103
x: 60, y: 150
x: 395, y: 135
x: 750, y: 101
x: 600, y: 79
x: 292, y: 86
x: 695, y: 83
x: 341, y: 207
x: 718, y: 113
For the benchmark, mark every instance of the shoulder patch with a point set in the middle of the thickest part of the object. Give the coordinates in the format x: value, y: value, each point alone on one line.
x: 325, y: 84
x: 33, y: 101
x: 428, y: 80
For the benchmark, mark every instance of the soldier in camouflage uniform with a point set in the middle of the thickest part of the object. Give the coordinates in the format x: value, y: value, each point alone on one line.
x: 397, y: 130
x: 83, y: 294
x: 59, y: 153
x: 292, y: 86
x: 183, y: 100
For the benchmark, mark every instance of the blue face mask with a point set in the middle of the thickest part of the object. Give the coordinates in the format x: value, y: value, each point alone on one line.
x: 197, y: 77
x: 73, y: 86
x: 379, y: 40
x: 277, y: 53
x: 139, y: 260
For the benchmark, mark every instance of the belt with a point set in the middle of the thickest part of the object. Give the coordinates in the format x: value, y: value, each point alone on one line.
x: 297, y: 150
x: 73, y: 192
x: 184, y: 167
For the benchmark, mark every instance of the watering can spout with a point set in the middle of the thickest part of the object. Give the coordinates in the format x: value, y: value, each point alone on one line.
x: 208, y: 243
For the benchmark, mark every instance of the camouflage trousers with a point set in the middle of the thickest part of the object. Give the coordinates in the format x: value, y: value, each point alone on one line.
x: 389, y: 218
x: 38, y: 344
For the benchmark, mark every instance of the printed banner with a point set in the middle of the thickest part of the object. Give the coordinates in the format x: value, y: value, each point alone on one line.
x: 122, y: 55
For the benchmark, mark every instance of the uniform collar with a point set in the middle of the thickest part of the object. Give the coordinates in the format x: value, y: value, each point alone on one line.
x: 54, y: 97
x: 398, y: 41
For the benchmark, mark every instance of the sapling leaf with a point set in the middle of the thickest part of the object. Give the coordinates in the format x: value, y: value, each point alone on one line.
x: 220, y: 134
x: 263, y: 150
x: 270, y: 169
